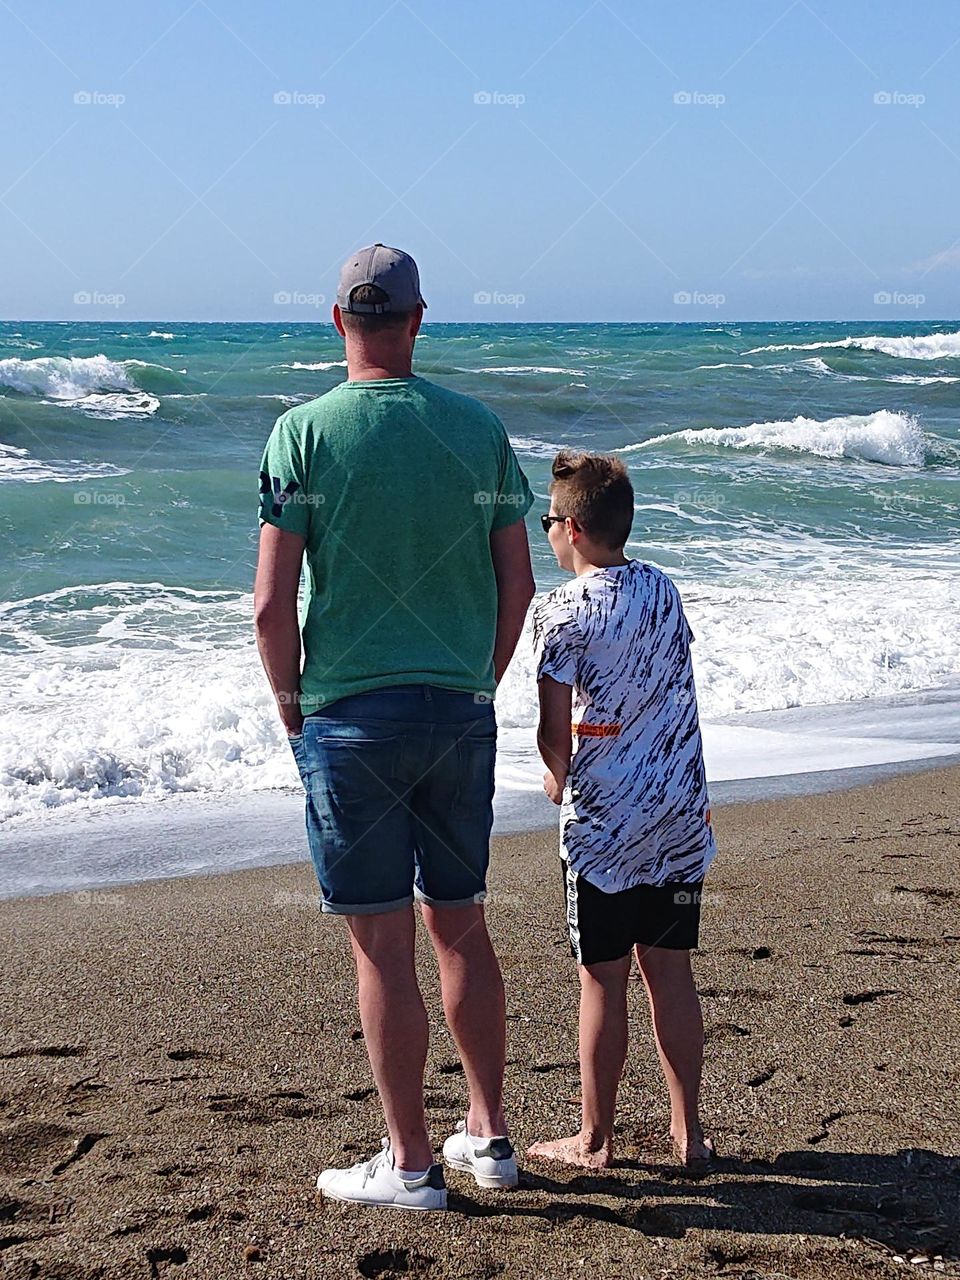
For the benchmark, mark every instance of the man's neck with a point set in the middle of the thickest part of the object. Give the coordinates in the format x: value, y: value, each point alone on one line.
x: 366, y: 366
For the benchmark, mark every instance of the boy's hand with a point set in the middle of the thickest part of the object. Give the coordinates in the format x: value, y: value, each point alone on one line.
x: 553, y: 788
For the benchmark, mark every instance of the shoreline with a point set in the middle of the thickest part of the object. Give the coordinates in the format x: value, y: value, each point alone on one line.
x: 180, y: 1056
x: 189, y: 835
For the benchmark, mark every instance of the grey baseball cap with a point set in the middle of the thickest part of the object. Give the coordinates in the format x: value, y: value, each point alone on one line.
x: 391, y: 270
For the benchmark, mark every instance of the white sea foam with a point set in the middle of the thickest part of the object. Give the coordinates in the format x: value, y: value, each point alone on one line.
x: 533, y: 447
x: 725, y: 366
x: 891, y: 438
x: 918, y: 379
x: 94, y: 384
x: 817, y: 365
x: 158, y: 690
x: 931, y: 346
x: 156, y: 333
x: 18, y: 464
x: 319, y: 365
x: 509, y: 369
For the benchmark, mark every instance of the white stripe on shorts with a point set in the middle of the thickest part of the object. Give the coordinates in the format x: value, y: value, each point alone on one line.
x: 573, y: 917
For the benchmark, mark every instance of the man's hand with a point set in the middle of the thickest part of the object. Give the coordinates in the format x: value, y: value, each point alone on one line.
x: 292, y: 718
x: 553, y: 787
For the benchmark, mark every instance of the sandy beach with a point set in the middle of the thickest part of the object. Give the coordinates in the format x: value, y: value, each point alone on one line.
x: 179, y: 1057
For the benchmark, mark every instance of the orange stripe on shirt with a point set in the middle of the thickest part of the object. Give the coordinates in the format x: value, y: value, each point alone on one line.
x: 596, y: 730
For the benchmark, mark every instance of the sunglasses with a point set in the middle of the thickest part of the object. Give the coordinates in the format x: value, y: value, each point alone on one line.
x: 547, y: 521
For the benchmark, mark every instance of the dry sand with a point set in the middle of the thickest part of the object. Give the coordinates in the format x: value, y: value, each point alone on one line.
x: 178, y: 1058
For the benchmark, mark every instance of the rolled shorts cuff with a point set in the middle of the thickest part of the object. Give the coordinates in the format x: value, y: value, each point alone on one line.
x: 365, y: 908
x: 474, y: 900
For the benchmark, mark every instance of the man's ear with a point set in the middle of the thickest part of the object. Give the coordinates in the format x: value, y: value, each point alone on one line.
x: 573, y: 529
x: 416, y: 319
x: 338, y: 321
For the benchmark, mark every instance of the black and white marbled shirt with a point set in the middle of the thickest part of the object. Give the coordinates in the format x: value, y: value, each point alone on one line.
x: 635, y: 809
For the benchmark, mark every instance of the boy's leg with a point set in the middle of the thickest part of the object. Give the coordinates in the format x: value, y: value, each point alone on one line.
x: 603, y: 1051
x: 473, y: 1002
x: 678, y: 1029
x: 395, y: 1028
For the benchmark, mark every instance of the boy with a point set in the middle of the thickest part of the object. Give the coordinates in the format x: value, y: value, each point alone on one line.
x: 620, y: 737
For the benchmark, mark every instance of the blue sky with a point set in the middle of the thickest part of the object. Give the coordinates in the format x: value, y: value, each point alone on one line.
x: 576, y: 186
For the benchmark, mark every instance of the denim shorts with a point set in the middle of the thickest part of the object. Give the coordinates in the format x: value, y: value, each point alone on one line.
x: 399, y: 788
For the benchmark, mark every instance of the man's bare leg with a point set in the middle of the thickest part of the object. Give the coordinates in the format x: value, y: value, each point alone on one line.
x: 678, y: 1030
x: 603, y: 1051
x: 395, y: 1028
x: 473, y: 1002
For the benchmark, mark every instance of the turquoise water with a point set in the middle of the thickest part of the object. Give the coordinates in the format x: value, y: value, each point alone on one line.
x: 800, y: 481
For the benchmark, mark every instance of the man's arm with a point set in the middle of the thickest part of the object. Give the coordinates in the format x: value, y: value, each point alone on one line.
x: 554, y: 736
x: 515, y: 588
x: 275, y: 618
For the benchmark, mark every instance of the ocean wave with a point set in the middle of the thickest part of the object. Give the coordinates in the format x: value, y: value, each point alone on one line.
x: 931, y: 346
x: 18, y: 464
x: 319, y: 365
x: 533, y: 447
x: 724, y: 366
x: 156, y: 690
x: 509, y: 369
x: 891, y: 438
x: 157, y: 333
x: 94, y: 384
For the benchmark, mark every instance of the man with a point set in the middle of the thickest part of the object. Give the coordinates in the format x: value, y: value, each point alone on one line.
x: 408, y: 502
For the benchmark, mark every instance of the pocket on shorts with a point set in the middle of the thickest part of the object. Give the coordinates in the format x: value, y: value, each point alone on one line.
x: 356, y: 770
x: 477, y: 754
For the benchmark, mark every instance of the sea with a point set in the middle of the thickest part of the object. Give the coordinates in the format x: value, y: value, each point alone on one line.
x: 799, y: 481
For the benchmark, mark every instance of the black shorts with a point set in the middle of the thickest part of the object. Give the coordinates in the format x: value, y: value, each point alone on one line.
x: 606, y: 926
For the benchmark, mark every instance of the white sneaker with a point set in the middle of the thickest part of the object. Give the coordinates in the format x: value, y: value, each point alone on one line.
x: 377, y: 1182
x: 490, y: 1160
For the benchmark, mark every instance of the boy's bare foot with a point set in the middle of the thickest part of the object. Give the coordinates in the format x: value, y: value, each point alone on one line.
x: 695, y: 1153
x: 575, y: 1151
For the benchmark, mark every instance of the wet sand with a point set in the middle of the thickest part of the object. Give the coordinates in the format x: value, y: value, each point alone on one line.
x: 178, y: 1058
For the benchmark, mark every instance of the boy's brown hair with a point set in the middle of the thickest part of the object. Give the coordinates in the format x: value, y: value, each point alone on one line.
x: 595, y: 489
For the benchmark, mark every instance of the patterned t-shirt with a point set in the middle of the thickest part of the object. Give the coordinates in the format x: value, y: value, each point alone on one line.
x: 635, y: 808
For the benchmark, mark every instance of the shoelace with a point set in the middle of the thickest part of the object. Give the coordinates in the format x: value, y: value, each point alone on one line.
x: 371, y: 1166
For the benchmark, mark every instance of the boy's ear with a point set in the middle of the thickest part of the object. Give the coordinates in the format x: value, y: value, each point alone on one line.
x: 573, y: 529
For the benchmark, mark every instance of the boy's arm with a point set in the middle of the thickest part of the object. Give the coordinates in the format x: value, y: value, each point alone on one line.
x: 554, y: 736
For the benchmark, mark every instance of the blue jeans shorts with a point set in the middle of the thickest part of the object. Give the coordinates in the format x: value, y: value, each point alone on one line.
x: 399, y: 787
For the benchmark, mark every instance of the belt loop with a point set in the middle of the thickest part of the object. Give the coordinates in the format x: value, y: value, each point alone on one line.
x: 428, y: 696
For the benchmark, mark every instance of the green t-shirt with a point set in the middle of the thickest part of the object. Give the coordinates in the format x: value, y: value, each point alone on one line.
x: 396, y: 484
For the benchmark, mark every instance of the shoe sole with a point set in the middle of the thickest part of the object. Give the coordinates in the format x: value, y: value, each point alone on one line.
x: 490, y: 1182
x: 383, y: 1204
